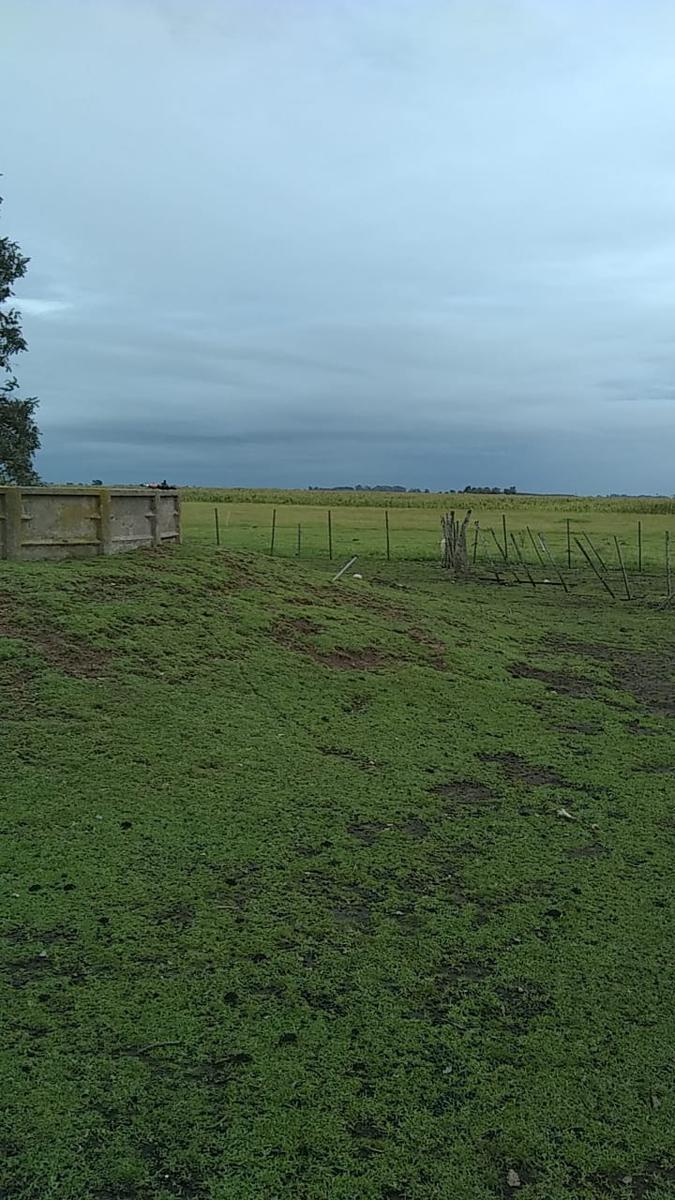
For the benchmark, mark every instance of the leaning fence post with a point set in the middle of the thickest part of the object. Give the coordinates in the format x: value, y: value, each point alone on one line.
x: 506, y: 541
x: 594, y: 569
x: 273, y: 530
x: 596, y: 552
x: 556, y: 568
x: 536, y: 548
x: 521, y: 560
x: 217, y: 520
x: 345, y: 568
x: 623, y: 569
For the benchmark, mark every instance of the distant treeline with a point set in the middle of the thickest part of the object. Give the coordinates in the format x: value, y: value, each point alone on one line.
x: 397, y: 488
x: 368, y: 487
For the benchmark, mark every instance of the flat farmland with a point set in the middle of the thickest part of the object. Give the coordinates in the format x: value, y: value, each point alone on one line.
x: 414, y: 525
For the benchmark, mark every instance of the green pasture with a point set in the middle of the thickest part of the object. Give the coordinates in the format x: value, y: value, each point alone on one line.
x: 414, y: 532
x: 332, y: 892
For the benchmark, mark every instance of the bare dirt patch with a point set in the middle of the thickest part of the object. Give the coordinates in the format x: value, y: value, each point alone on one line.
x: 293, y: 633
x: 557, y: 681
x: 635, y: 1184
x: 465, y: 793
x: 647, y: 675
x: 518, y: 771
x: 360, y: 760
x: 593, y: 851
x: 60, y: 649
x: 368, y: 831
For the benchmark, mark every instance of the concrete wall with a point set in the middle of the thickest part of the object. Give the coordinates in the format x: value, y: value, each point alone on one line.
x: 52, y: 522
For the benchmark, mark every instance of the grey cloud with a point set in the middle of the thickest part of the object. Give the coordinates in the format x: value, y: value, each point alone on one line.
x: 324, y: 228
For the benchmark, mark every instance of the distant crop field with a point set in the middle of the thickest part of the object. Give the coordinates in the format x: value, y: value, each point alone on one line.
x: 478, y: 501
x: 302, y: 529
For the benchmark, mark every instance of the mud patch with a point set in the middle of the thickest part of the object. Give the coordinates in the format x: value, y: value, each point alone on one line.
x: 638, y: 730
x: 556, y: 681
x: 647, y: 675
x: 634, y: 1184
x: 366, y: 764
x: 413, y: 827
x: 517, y: 770
x: 59, y: 649
x: 293, y: 635
x: 178, y: 916
x: 587, y: 728
x: 593, y: 851
x: 465, y: 793
x: 368, y: 831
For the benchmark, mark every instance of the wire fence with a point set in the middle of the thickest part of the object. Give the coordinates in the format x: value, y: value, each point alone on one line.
x: 632, y: 547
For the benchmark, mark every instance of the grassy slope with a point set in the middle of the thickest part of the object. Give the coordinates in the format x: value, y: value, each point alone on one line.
x: 247, y: 815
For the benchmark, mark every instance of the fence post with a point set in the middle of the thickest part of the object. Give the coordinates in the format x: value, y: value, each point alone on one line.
x: 619, y: 555
x: 506, y: 543
x: 521, y: 560
x: 597, y: 554
x: 386, y: 528
x: 569, y: 545
x: 593, y: 567
x: 299, y: 539
x: 330, y: 534
x: 217, y: 519
x: 640, y: 546
x: 500, y: 548
x: 104, y: 522
x: 475, y: 542
x: 555, y: 566
x: 274, y: 530
x: 536, y: 548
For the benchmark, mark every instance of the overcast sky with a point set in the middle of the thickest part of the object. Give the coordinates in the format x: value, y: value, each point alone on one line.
x: 291, y: 242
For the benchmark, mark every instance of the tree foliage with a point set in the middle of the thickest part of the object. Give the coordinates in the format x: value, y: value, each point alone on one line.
x: 19, y: 434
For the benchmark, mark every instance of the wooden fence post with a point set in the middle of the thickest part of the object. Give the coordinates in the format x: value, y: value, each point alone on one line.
x: 623, y: 569
x: 569, y: 545
x: 536, y: 548
x: 593, y: 567
x: 273, y: 530
x: 555, y: 566
x: 506, y: 542
x: 217, y: 520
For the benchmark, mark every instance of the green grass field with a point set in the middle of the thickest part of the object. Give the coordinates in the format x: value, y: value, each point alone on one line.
x: 332, y: 892
x: 414, y: 530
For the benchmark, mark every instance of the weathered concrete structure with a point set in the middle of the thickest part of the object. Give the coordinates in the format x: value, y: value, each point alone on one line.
x: 62, y: 522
